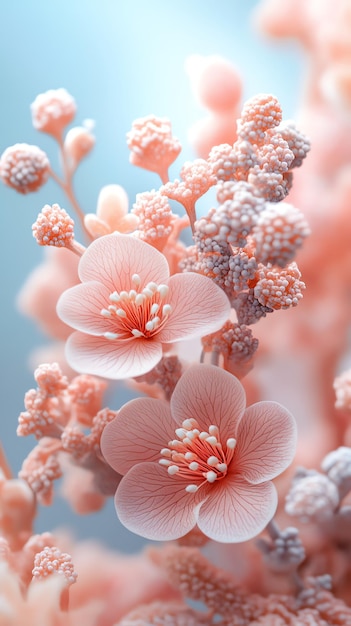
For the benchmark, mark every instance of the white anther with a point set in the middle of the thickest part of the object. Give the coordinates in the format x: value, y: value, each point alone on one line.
x: 222, y: 467
x: 110, y: 335
x: 194, y: 466
x: 105, y: 312
x: 163, y: 290
x: 140, y: 299
x: 213, y: 461
x: 188, y: 424
x: 231, y: 443
x: 174, y: 443
x: 114, y: 297
x: 181, y: 433
x: 212, y: 440
x: 165, y: 462
x: 166, y: 452
x: 173, y: 469
x: 136, y: 279
x: 166, y: 309
x: 191, y: 488
x: 203, y: 435
x: 211, y: 476
x: 213, y: 430
x: 154, y: 309
x: 137, y: 333
x: 121, y: 313
x: 147, y: 292
x: 112, y: 308
x: 149, y: 325
x: 124, y: 295
x: 191, y: 434
x: 189, y: 456
x: 152, y: 286
x: 132, y: 294
x: 156, y: 321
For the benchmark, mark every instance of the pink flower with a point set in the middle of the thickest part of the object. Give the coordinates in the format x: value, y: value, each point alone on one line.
x: 127, y: 306
x: 202, y: 459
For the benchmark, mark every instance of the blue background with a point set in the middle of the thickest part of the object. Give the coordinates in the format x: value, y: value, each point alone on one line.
x: 120, y: 60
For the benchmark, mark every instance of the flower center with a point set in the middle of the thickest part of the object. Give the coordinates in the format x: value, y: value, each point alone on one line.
x: 197, y: 456
x: 138, y: 312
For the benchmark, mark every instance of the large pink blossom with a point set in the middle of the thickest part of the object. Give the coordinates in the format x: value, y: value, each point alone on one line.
x: 202, y: 459
x: 127, y: 306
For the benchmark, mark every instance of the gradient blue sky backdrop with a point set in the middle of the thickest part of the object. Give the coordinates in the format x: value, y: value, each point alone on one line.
x: 120, y: 60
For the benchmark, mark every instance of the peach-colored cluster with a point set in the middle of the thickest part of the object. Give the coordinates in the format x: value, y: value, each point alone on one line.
x: 59, y: 414
x: 52, y: 111
x: 23, y: 167
x: 152, y: 145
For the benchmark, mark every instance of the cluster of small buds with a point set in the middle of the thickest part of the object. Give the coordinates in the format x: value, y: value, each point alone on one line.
x: 52, y: 561
x: 279, y: 232
x: 152, y: 145
x: 259, y: 114
x: 155, y: 218
x: 232, y: 162
x: 273, y: 186
x: 52, y: 111
x: 274, y: 155
x: 298, y: 143
x: 165, y: 375
x: 342, y: 388
x: 248, y: 309
x: 279, y: 289
x: 236, y: 344
x: 197, y: 579
x: 337, y: 465
x: 23, y: 167
x: 58, y: 414
x: 53, y: 227
x: 285, y: 552
x: 312, y: 496
x: 196, y: 179
x: 40, y: 469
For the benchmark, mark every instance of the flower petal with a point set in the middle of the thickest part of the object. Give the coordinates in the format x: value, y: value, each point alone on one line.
x: 236, y: 511
x: 113, y: 259
x: 266, y: 442
x: 211, y: 396
x: 199, y: 307
x: 155, y: 505
x: 80, y: 307
x: 141, y: 429
x: 111, y: 359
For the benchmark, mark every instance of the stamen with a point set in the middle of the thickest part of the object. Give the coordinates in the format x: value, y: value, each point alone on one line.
x: 191, y: 488
x: 194, y: 466
x: 147, y: 292
x: 166, y: 309
x: 137, y: 333
x: 152, y: 286
x: 173, y: 469
x: 121, y: 313
x: 140, y: 299
x: 124, y: 295
x: 165, y: 462
x: 154, y: 309
x: 213, y: 430
x: 212, y: 440
x: 222, y: 467
x: 212, y: 461
x: 231, y: 443
x: 110, y: 336
x: 105, y: 312
x: 136, y: 280
x: 189, y: 456
x: 211, y: 476
x: 163, y: 290
x: 114, y: 296
x: 181, y: 433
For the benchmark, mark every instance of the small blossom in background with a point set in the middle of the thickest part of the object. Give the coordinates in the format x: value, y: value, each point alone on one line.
x: 127, y: 306
x: 23, y: 167
x: 201, y: 460
x: 52, y: 111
